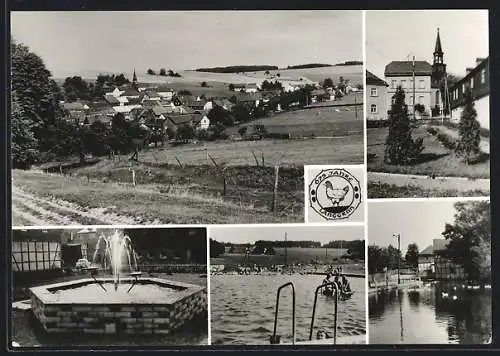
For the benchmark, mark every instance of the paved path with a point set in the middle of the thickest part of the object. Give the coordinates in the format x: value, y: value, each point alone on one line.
x: 426, y: 182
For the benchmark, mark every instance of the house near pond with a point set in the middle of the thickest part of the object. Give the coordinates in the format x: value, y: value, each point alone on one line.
x: 433, y: 264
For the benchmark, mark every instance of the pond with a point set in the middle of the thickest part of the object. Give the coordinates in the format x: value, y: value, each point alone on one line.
x: 435, y: 314
x: 242, y: 309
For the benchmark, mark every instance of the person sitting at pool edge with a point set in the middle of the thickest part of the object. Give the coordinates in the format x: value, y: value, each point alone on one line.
x: 327, y: 280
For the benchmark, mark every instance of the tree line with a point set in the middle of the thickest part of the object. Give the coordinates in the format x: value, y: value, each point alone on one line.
x: 164, y: 73
x: 238, y: 69
x: 75, y: 88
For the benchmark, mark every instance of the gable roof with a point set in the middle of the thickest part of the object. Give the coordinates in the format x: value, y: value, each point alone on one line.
x: 405, y: 68
x: 440, y: 244
x: 183, y: 119
x: 76, y: 106
x: 130, y: 92
x: 248, y: 97
x: 428, y: 251
x: 372, y: 79
x: 111, y: 99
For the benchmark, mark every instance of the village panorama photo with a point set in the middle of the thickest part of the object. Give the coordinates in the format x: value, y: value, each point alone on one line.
x: 179, y: 117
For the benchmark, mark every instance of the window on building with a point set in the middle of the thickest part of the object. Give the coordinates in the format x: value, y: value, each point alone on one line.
x: 421, y: 100
x: 483, y: 76
x: 373, y: 108
x: 463, y: 88
x: 393, y: 84
x: 403, y: 84
x: 472, y: 82
x: 421, y: 83
x: 373, y: 92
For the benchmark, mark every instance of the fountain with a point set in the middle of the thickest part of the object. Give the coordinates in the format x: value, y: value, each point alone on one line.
x: 120, y: 302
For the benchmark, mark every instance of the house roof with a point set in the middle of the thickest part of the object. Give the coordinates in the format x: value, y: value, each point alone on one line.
x: 76, y: 106
x: 428, y: 251
x: 122, y: 99
x: 318, y: 92
x: 131, y: 92
x: 372, y: 79
x: 440, y: 244
x: 183, y: 119
x: 405, y: 68
x: 164, y: 89
x: 247, y: 97
x: 191, y: 101
x: 111, y: 99
x: 251, y: 86
x: 239, y: 85
x: 160, y: 110
x: 125, y: 108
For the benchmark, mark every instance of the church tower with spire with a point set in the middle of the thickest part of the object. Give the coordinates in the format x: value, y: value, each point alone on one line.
x: 438, y: 66
x: 134, y: 80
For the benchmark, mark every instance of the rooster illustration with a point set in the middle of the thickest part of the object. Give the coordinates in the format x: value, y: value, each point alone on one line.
x: 335, y: 195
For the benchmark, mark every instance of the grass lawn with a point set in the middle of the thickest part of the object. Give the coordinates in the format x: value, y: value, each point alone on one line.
x: 385, y: 190
x: 434, y: 160
x: 321, y: 122
x: 27, y: 331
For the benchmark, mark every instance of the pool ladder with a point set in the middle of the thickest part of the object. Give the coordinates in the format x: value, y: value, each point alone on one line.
x: 275, y: 338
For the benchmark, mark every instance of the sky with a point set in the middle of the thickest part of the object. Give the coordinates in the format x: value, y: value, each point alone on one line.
x: 72, y: 42
x: 417, y: 222
x: 323, y: 234
x: 395, y: 35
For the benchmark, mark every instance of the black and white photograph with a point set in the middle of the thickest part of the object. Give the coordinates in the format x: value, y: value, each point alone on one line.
x: 429, y: 269
x: 109, y: 287
x: 427, y: 103
x: 287, y: 285
x: 180, y: 117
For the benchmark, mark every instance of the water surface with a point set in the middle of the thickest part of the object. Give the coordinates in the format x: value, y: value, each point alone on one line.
x: 242, y: 309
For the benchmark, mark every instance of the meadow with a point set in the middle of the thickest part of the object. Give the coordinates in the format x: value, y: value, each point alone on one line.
x: 320, y: 122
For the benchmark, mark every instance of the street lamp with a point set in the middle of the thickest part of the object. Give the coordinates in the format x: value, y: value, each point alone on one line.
x: 398, y: 236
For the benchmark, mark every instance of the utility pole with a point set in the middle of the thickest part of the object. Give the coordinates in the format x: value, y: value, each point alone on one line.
x: 413, y: 73
x: 399, y: 253
x: 285, y: 250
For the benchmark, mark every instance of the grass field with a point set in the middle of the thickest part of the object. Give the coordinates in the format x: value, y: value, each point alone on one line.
x: 385, y: 190
x: 435, y: 159
x: 294, y: 255
x: 337, y: 150
x: 321, y: 122
x: 103, y: 194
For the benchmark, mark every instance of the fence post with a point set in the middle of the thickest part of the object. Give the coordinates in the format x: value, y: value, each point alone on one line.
x: 133, y: 177
x: 275, y: 192
x: 262, y: 159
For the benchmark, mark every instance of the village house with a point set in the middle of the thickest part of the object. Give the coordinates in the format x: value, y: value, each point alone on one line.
x: 165, y: 92
x: 224, y: 103
x: 420, y: 80
x: 433, y: 264
x: 478, y: 80
x: 238, y: 87
x: 318, y: 95
x: 111, y: 99
x: 76, y: 110
x: 251, y: 88
x: 175, y: 121
x: 254, y: 98
x: 116, y: 92
x: 125, y: 110
x: 376, y: 97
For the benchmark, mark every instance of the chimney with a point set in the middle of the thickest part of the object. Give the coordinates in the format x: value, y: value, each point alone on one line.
x: 479, y: 60
x: 468, y: 70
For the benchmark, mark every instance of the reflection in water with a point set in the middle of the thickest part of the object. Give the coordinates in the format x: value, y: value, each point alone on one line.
x: 442, y: 313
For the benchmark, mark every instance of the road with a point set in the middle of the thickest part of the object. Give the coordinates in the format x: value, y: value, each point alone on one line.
x: 31, y: 209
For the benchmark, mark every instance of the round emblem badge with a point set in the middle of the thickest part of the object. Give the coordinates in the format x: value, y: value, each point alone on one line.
x: 335, y: 194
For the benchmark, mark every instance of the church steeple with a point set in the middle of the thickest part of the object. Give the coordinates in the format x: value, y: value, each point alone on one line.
x: 438, y: 51
x: 134, y: 78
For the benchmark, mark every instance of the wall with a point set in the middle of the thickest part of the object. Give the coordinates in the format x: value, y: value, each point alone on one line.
x: 117, y: 319
x: 425, y: 91
x: 482, y: 107
x: 380, y: 100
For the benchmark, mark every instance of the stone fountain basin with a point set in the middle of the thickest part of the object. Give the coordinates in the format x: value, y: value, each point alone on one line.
x: 147, y: 313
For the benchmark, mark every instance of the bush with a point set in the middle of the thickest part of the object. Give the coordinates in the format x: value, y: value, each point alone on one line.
x: 278, y: 135
x: 447, y: 141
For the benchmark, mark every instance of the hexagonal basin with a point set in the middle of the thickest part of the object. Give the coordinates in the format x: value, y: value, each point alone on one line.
x: 105, y: 292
